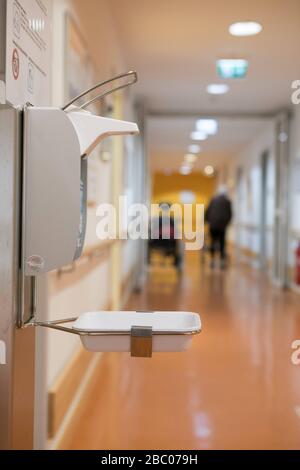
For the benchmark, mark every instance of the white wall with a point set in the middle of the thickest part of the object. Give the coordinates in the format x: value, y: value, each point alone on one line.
x: 130, y: 182
x: 247, y: 197
x: 92, y: 291
x: 247, y: 209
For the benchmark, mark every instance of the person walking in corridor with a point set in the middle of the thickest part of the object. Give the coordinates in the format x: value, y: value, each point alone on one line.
x: 218, y: 216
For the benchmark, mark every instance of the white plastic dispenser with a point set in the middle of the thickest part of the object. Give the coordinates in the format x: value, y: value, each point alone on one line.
x: 56, y: 146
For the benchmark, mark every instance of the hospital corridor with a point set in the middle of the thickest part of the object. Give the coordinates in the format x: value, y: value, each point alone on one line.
x: 240, y: 396
x: 149, y: 230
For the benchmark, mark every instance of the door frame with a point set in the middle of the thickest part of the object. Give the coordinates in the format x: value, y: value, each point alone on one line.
x: 264, y: 161
x: 280, y: 275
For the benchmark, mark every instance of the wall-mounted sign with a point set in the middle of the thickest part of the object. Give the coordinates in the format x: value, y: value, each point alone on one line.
x: 28, y: 58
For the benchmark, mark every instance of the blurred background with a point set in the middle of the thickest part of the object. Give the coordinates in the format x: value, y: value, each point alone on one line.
x: 213, y: 103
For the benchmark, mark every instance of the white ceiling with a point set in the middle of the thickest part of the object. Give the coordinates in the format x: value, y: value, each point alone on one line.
x: 173, y: 45
x: 170, y: 137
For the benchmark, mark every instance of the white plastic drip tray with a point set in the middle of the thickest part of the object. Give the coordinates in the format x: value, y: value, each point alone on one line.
x: 113, y: 331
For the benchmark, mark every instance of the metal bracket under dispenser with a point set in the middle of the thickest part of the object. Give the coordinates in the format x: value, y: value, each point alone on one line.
x: 141, y: 337
x: 140, y: 333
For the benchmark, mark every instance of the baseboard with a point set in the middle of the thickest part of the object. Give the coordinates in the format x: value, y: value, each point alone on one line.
x: 295, y: 288
x: 60, y: 396
x: 248, y: 253
x: 69, y: 395
x: 127, y: 285
x: 77, y: 408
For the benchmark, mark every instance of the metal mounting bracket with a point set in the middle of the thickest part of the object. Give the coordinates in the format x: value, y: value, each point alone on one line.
x: 141, y: 341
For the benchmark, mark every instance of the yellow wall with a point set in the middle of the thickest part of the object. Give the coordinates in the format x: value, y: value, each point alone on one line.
x: 168, y: 187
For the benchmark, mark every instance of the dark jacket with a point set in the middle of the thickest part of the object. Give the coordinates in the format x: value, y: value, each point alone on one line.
x: 219, y: 213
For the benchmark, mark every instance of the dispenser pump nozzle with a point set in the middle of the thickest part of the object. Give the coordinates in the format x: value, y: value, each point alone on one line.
x: 91, y: 129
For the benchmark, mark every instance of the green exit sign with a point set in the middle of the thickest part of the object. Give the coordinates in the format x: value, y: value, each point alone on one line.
x: 232, y: 68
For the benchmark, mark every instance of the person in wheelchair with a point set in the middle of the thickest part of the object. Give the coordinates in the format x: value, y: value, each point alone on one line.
x: 162, y: 238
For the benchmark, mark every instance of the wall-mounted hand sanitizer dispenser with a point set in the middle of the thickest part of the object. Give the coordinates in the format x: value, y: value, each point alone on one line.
x: 57, y: 143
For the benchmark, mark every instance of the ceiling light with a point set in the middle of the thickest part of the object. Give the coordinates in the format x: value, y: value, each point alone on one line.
x: 185, y: 170
x: 194, y: 148
x: 190, y: 158
x: 188, y: 164
x: 217, y: 88
x: 209, y: 170
x: 198, y: 135
x: 188, y: 197
x: 232, y: 68
x: 209, y: 126
x: 245, y: 28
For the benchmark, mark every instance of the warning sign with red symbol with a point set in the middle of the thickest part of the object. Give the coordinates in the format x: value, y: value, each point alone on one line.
x: 28, y: 61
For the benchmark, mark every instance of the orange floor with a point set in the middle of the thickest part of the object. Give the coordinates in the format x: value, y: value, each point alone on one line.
x: 235, y: 389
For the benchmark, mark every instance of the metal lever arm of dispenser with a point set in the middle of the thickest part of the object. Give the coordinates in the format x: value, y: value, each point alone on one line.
x: 131, y: 73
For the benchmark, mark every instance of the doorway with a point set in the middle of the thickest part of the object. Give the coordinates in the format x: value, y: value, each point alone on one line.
x: 281, y: 219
